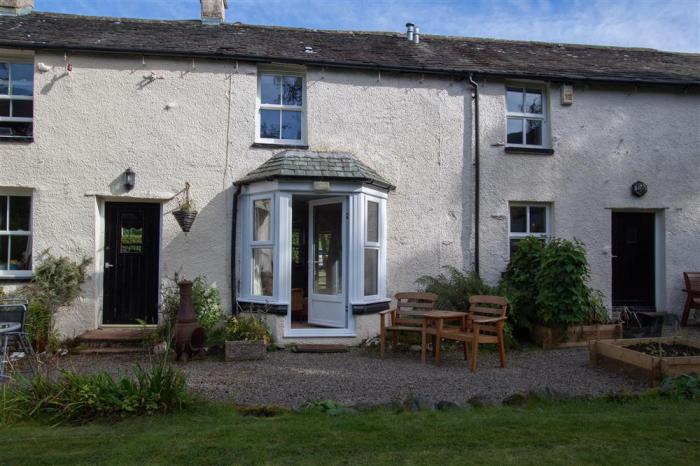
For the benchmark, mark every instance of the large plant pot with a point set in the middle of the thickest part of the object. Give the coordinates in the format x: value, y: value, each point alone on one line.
x: 244, y: 350
x: 185, y: 219
x: 575, y: 336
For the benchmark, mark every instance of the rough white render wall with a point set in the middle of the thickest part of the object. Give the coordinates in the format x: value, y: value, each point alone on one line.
x: 608, y: 139
x: 91, y: 124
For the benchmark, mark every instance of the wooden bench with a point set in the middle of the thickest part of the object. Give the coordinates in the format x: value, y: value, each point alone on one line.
x: 692, y: 301
x: 399, y: 321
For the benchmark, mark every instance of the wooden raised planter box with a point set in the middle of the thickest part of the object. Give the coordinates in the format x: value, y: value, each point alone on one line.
x: 244, y: 350
x: 616, y: 355
x: 576, y: 335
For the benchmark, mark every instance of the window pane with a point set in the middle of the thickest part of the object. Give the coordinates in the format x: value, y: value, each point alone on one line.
x: 291, y: 125
x: 12, y: 129
x: 518, y: 219
x: 533, y: 101
x: 514, y: 100
x: 373, y: 222
x: 20, y: 207
x: 262, y: 219
x: 515, y: 131
x: 22, y: 78
x: 20, y: 253
x: 270, y: 124
x: 5, y: 108
x: 4, y: 78
x: 371, y: 271
x: 262, y: 271
x: 3, y: 213
x: 291, y: 90
x: 22, y: 108
x: 4, y: 242
x: 270, y: 88
x: 534, y: 132
x: 131, y: 240
x: 538, y: 219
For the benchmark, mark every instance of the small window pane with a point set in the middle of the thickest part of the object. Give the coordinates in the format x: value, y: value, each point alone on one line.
x: 131, y: 233
x: 534, y: 132
x: 4, y: 78
x: 22, y: 108
x: 291, y: 125
x: 4, y: 251
x: 518, y: 219
x: 538, y: 219
x: 533, y: 101
x: 292, y: 90
x: 514, y: 100
x: 13, y: 130
x: 5, y: 108
x: 3, y: 213
x: 20, y: 253
x: 270, y: 88
x: 515, y: 131
x: 373, y: 222
x: 22, y: 78
x: 262, y: 271
x: 371, y: 271
x: 19, y: 213
x: 270, y: 124
x: 262, y: 219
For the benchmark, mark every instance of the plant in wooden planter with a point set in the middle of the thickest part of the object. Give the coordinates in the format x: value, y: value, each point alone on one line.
x: 549, y: 285
x: 246, y: 337
x: 186, y: 212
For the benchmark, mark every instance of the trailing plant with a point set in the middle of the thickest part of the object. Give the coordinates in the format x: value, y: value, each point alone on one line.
x: 563, y: 296
x: 206, y: 302
x: 78, y: 398
x: 520, y: 281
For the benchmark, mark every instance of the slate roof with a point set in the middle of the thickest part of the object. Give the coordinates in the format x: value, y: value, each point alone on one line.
x: 303, y: 164
x: 388, y: 51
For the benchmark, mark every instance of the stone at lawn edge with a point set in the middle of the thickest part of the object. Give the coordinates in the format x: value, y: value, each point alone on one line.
x: 447, y: 406
x: 516, y: 399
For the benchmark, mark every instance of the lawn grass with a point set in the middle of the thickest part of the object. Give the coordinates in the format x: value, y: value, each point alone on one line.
x: 648, y: 431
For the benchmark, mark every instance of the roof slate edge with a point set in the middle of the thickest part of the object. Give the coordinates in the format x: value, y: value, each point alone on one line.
x: 371, y: 181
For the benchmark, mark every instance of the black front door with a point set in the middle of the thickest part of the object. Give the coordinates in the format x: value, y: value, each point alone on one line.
x: 633, y: 278
x: 132, y: 242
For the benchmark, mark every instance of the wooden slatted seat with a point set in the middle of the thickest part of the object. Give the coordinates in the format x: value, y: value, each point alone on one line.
x: 484, y: 324
x: 405, y: 317
x: 692, y: 301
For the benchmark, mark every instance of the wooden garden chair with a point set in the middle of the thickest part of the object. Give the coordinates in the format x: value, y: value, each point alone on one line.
x: 484, y: 324
x: 692, y: 301
x: 405, y: 317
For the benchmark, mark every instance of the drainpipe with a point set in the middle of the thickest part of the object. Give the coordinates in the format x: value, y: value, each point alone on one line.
x: 234, y: 216
x: 476, y: 173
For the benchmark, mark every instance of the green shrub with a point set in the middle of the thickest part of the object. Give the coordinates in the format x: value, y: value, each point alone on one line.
x: 685, y: 387
x: 206, y: 302
x: 81, y: 398
x: 39, y: 327
x: 244, y: 327
x: 520, y: 281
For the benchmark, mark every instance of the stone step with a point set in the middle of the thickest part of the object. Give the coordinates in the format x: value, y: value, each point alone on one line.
x: 110, y: 350
x: 116, y: 337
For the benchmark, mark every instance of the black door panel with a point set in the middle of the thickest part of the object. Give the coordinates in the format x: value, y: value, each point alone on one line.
x: 132, y: 242
x: 633, y: 259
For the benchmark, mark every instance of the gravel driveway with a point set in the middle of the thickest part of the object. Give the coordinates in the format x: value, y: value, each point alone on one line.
x: 359, y: 376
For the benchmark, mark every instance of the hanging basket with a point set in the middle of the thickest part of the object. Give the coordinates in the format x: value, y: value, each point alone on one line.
x: 185, y: 219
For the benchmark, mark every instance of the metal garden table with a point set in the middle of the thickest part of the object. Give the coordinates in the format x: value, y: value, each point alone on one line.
x: 6, y: 328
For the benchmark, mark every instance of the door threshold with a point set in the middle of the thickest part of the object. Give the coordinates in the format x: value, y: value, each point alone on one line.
x: 128, y: 326
x: 316, y: 333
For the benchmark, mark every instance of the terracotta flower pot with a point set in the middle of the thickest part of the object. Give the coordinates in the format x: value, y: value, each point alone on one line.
x: 185, y: 219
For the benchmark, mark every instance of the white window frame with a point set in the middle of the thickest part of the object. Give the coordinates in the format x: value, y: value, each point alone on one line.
x: 543, y: 117
x: 260, y: 106
x: 374, y: 245
x: 261, y: 244
x: 548, y: 221
x: 9, y: 96
x: 5, y: 233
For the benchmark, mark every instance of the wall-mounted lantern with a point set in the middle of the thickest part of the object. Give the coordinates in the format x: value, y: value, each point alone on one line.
x: 129, y: 179
x: 639, y: 188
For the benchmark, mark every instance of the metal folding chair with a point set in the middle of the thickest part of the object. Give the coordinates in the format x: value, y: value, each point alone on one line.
x: 15, y: 310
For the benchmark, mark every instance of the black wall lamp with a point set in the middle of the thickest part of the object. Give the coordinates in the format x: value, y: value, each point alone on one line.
x: 639, y: 188
x: 129, y: 179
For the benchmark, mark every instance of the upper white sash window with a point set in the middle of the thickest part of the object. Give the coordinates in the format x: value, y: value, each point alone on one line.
x: 526, y: 117
x: 280, y: 117
x: 16, y: 101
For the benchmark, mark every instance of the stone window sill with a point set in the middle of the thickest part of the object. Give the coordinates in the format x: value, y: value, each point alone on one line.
x: 266, y: 145
x: 529, y: 150
x: 16, y: 140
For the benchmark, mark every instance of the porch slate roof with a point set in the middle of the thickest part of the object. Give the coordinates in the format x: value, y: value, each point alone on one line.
x: 354, y: 49
x: 303, y: 164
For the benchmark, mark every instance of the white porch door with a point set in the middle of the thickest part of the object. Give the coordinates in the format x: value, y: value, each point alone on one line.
x: 327, y: 258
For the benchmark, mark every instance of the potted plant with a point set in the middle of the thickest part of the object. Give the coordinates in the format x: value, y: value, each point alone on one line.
x: 186, y: 211
x: 246, y: 337
x: 552, y: 296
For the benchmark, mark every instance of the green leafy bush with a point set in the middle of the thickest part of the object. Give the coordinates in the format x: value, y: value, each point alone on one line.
x: 243, y: 327
x: 206, y: 302
x: 685, y: 387
x: 39, y: 327
x: 81, y: 398
x: 520, y: 281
